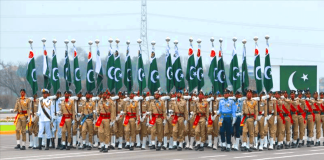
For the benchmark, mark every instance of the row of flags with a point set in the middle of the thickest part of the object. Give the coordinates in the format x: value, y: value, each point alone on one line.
x: 173, y: 71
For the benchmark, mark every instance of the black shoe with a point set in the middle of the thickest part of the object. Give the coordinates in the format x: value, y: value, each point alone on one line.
x: 243, y: 149
x: 18, y: 146
x: 143, y: 149
x: 228, y: 149
x: 105, y: 150
x: 249, y: 150
x: 197, y: 148
x: 158, y: 148
x: 201, y: 148
x: 30, y: 147
x: 123, y: 145
x: 131, y: 148
x: 82, y: 146
x: 286, y: 147
x: 102, y: 148
x: 23, y: 148
x: 308, y: 143
x: 323, y: 143
x: 317, y: 143
x: 53, y: 143
x: 223, y: 149
x: 59, y: 143
x: 179, y: 149
x: 234, y: 149
x: 63, y: 147
x: 152, y: 147
x: 89, y: 148
x: 164, y: 148
x: 47, y: 144
x: 40, y: 143
x: 127, y: 147
x: 67, y: 147
x: 117, y: 143
x: 174, y: 147
x: 312, y: 142
x: 111, y: 147
x: 278, y: 147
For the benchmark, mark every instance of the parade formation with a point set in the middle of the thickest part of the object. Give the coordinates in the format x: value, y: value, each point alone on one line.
x: 187, y: 119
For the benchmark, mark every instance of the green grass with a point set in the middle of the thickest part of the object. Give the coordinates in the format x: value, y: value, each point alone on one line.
x: 7, y: 128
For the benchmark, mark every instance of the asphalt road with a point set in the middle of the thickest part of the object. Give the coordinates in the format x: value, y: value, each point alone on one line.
x: 7, y: 152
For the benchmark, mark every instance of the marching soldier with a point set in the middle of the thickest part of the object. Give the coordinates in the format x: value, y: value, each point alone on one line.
x: 271, y: 121
x: 95, y: 128
x: 322, y: 111
x: 261, y: 120
x: 144, y: 119
x: 131, y: 110
x: 201, y: 112
x: 45, y: 116
x: 87, y: 121
x: 316, y: 104
x: 168, y: 127
x: 310, y: 117
x: 179, y: 121
x: 249, y: 121
x: 22, y: 108
x: 288, y: 118
x: 190, y: 131
x: 67, y: 114
x: 107, y: 116
x: 238, y: 102
x: 301, y: 112
x: 56, y: 120
x: 119, y: 127
x: 158, y: 111
x: 76, y: 126
x: 281, y: 120
x: 227, y: 110
x: 34, y: 127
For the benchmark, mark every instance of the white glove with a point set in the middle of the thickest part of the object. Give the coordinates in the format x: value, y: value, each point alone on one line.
x: 79, y: 114
x: 213, y: 117
x: 265, y: 121
x: 275, y: 120
x: 94, y: 111
x: 282, y: 97
x: 38, y: 113
x: 164, y: 121
x: 117, y: 117
x: 31, y: 98
x: 238, y: 114
x: 218, y: 113
x: 148, y: 113
x: 54, y: 117
x: 269, y: 116
x: 307, y: 98
x: 255, y: 123
x: 256, y: 98
x: 72, y: 121
x: 122, y: 112
x: 11, y: 110
x: 33, y: 118
x: 142, y: 118
x: 94, y: 122
x: 259, y: 118
x: 59, y: 113
x: 234, y: 120
x: 191, y: 115
x: 185, y: 122
x: 112, y: 123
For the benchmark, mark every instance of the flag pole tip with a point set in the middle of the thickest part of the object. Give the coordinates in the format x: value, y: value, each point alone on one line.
x: 234, y: 39
x: 97, y: 41
x: 198, y: 41
x: 167, y: 39
x: 220, y: 40
x: 90, y: 43
x: 117, y: 40
x: 127, y: 42
x: 139, y: 41
x: 67, y: 41
x: 255, y: 38
x: 30, y: 41
x: 212, y: 39
x: 43, y: 40
x: 153, y: 43
x: 190, y: 39
x: 110, y: 40
x: 267, y: 37
x: 244, y: 41
x: 54, y: 41
x: 175, y: 42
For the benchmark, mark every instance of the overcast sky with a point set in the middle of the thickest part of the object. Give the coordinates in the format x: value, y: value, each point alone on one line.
x: 296, y: 28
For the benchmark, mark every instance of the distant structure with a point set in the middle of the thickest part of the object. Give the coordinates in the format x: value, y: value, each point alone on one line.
x: 143, y: 34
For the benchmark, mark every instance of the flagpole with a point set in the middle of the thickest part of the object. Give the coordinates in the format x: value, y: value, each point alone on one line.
x: 117, y: 41
x: 139, y: 41
x: 30, y: 41
x: 212, y: 41
x: 167, y: 39
x: 176, y: 48
x: 243, y: 76
x: 54, y: 45
x: 97, y: 41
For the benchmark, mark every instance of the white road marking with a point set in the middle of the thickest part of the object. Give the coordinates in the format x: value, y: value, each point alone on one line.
x: 300, y: 155
x: 252, y: 152
x: 317, y: 150
x: 284, y: 153
x: 246, y: 156
x: 212, y: 156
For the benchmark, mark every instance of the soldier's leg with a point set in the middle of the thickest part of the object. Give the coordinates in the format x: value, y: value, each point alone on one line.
x: 138, y: 128
x: 238, y: 133
x: 90, y: 125
x: 210, y: 130
x: 175, y: 132
x: 266, y: 133
x: 310, y: 127
x: 133, y: 129
x: 143, y: 133
x: 272, y: 132
x: 84, y: 135
x: 322, y: 118
x: 48, y: 133
x: 18, y: 129
x: 203, y: 132
x: 318, y: 128
x: 181, y: 129
x: 244, y: 136
x: 74, y: 132
x: 288, y: 130
x: 95, y: 136
x: 159, y: 132
x: 261, y: 132
x: 251, y: 129
x: 64, y: 130
x: 197, y: 134
x: 281, y: 131
x: 256, y: 133
x: 106, y: 135
x: 295, y: 130
x: 301, y: 123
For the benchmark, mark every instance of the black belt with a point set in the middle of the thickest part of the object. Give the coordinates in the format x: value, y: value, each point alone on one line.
x: 285, y: 115
x: 179, y: 114
x: 316, y: 112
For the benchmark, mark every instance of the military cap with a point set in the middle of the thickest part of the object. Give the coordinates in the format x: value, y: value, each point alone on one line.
x: 22, y: 90
x: 292, y: 92
x: 315, y: 92
x: 283, y: 92
x: 80, y: 92
x: 237, y: 92
x: 88, y: 92
x: 65, y: 92
x: 210, y: 93
x: 278, y: 92
x: 321, y: 93
x: 249, y: 90
x: 262, y: 93
x: 59, y: 92
x: 254, y: 92
x: 45, y: 90
x: 270, y: 92
x: 226, y: 91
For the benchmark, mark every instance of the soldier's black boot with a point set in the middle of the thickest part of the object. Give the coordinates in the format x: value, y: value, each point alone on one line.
x: 23, y: 148
x: 293, y: 145
x: 243, y: 149
x: 18, y: 146
x: 40, y: 143
x: 104, y: 149
x: 308, y: 143
x: 152, y: 147
x: 228, y: 149
x: 158, y: 148
x: 312, y: 142
x: 127, y: 147
x: 174, y: 147
x: 53, y: 142
x: 59, y: 143
x: 323, y: 143
x: 197, y: 147
x: 249, y: 149
x: 317, y: 143
x: 278, y: 146
x: 201, y: 148
x: 179, y: 148
x: 223, y: 148
x: 47, y: 144
x: 131, y: 148
x: 89, y: 148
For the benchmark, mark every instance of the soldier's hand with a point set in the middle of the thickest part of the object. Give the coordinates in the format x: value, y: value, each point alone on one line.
x: 275, y: 120
x: 265, y: 122
x: 185, y: 122
x: 72, y: 121
x: 11, y: 110
x: 269, y: 116
x: 255, y: 123
x: 164, y: 121
x: 213, y: 117
x: 259, y: 118
x: 142, y: 119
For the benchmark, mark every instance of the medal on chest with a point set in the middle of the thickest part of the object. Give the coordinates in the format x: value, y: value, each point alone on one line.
x: 47, y: 104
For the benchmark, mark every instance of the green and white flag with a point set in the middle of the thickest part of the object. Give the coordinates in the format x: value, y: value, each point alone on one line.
x: 90, y: 82
x: 200, y: 70
x: 168, y: 70
x: 221, y: 76
x: 128, y: 78
x: 118, y: 76
x: 99, y: 72
x: 267, y: 78
x: 191, y: 74
x: 77, y: 75
x: 46, y: 72
x: 154, y: 78
x: 140, y: 73
x: 110, y: 70
x: 234, y: 73
x: 67, y: 71
x: 298, y: 78
x: 212, y: 73
x: 178, y: 77
x: 245, y: 73
x: 257, y: 69
x: 55, y: 73
x: 31, y: 75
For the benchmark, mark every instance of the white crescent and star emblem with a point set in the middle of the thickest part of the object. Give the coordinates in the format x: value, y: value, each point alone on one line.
x: 32, y: 74
x: 191, y: 68
x: 237, y: 75
x: 66, y: 73
x: 109, y: 72
x: 140, y: 74
x: 152, y: 76
x: 76, y: 75
x: 290, y: 82
x: 219, y: 76
x: 215, y: 72
x: 117, y: 76
x: 128, y: 75
x: 88, y: 76
x: 177, y: 75
x: 57, y: 74
x: 199, y: 76
x: 257, y: 71
x: 169, y: 73
x: 266, y: 72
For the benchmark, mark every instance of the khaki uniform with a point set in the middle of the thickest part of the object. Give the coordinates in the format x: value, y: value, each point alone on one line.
x: 131, y: 109
x: 294, y: 114
x: 280, y: 124
x: 23, y: 108
x: 95, y: 128
x: 78, y: 105
x: 34, y: 127
x: 118, y: 128
x: 158, y: 110
x: 202, y: 110
x: 270, y: 126
x: 301, y: 120
x: 250, y: 110
x: 310, y: 120
x: 68, y: 113
x: 322, y: 116
x: 107, y: 113
x: 287, y: 119
x: 214, y: 129
x: 317, y: 111
x: 259, y: 128
x: 180, y: 110
x: 142, y: 128
x: 190, y: 131
x: 168, y: 127
x: 87, y: 127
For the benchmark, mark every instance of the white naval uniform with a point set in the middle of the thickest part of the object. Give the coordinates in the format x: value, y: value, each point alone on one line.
x: 44, y: 122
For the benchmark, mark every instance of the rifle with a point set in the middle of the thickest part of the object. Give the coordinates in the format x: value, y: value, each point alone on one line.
x: 213, y: 113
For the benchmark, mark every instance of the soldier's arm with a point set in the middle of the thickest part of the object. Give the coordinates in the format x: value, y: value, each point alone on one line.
x: 16, y: 105
x: 28, y: 107
x: 265, y: 109
x: 207, y: 109
x: 164, y: 110
x: 234, y: 108
x: 112, y: 111
x: 256, y: 111
x: 185, y: 110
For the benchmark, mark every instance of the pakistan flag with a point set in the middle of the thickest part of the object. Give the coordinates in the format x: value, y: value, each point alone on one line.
x: 298, y: 77
x: 153, y: 80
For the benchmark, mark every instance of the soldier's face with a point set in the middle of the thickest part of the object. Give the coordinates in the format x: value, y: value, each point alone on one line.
x: 285, y: 95
x: 308, y: 95
x: 226, y: 95
x: 178, y: 95
x: 201, y: 96
x: 104, y: 96
x: 35, y: 96
x: 321, y: 96
x: 79, y: 95
x: 45, y: 95
x: 300, y: 95
x: 156, y: 96
x: 58, y: 95
x: 292, y: 96
x: 66, y: 95
x: 237, y: 96
x: 88, y: 96
x: 22, y: 93
x: 277, y: 95
x: 131, y: 96
x: 315, y: 96
x: 249, y: 95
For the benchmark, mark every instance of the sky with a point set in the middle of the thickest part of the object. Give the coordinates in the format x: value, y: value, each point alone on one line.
x: 296, y: 28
